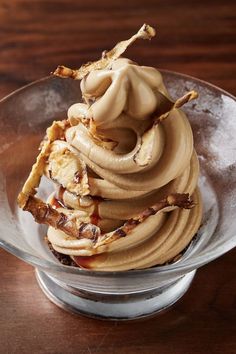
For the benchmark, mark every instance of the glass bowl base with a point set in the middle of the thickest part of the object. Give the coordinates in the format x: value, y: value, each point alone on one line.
x: 114, y: 307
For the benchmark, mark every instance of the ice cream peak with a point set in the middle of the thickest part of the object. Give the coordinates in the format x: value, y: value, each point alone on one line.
x: 125, y: 87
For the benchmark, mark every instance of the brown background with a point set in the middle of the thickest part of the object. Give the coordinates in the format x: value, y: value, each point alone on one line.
x: 197, y: 38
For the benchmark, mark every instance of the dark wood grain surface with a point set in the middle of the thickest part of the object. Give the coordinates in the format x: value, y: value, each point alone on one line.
x: 196, y: 38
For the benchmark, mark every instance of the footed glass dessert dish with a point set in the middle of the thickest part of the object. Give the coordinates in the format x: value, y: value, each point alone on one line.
x: 123, y: 295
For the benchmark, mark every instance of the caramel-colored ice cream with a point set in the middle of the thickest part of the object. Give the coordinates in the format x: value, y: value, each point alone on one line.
x: 126, y: 172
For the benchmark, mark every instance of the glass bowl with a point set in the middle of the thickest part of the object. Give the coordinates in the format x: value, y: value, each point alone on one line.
x: 24, y: 116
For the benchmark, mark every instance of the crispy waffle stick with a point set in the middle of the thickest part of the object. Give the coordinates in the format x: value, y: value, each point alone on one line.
x: 45, y: 214
x: 164, y: 110
x: 145, y: 32
x: 166, y: 105
x: 54, y: 132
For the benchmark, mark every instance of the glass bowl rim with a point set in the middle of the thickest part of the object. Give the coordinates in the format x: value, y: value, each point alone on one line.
x: 38, y: 262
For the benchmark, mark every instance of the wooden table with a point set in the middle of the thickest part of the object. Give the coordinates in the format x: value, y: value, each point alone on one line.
x: 197, y: 38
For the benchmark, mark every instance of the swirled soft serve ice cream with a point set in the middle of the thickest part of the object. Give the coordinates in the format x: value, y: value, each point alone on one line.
x: 125, y: 169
